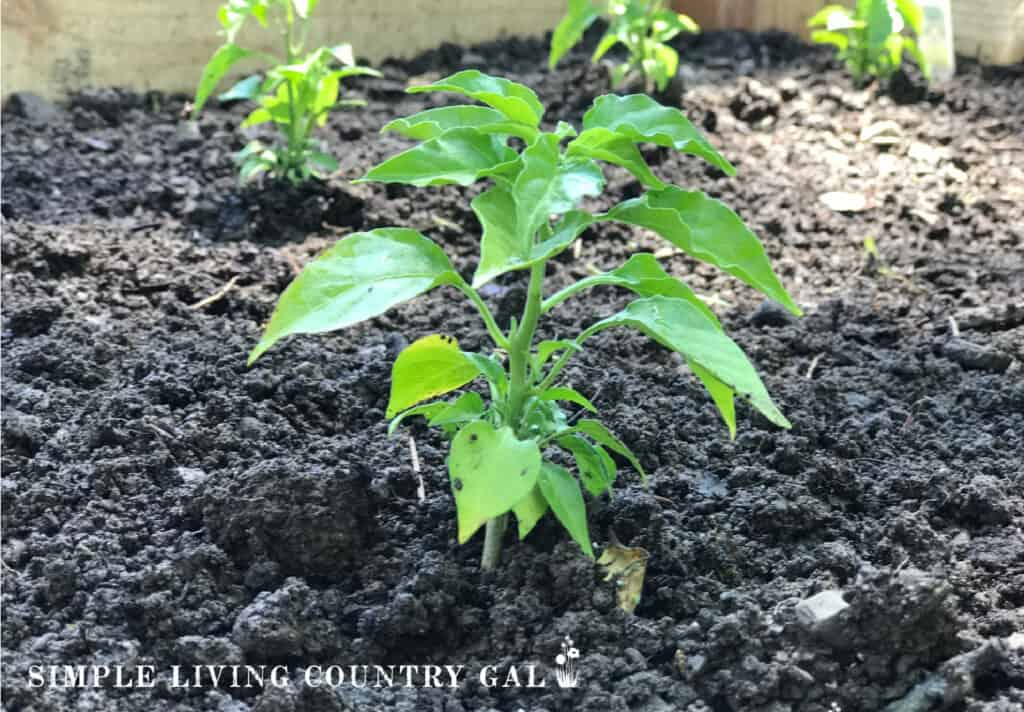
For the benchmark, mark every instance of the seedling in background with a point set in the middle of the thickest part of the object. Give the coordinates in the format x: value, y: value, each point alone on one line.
x: 642, y: 26
x: 296, y: 94
x: 500, y: 458
x: 870, y: 39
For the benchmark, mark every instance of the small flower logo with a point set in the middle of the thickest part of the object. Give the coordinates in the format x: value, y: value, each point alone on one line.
x: 566, y: 674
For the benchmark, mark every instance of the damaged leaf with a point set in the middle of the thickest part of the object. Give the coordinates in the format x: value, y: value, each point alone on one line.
x: 626, y: 566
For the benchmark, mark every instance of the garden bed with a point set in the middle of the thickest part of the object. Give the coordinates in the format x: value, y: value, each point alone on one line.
x: 165, y: 505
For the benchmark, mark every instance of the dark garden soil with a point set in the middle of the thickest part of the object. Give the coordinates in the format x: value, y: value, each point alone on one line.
x: 165, y: 505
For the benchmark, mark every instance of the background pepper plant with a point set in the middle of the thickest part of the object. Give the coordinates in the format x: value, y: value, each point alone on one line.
x: 498, y: 462
x: 296, y: 94
x: 870, y: 38
x: 642, y: 26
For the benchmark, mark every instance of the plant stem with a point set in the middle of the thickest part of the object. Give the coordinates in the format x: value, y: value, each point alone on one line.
x: 520, y: 345
x: 519, y: 349
x: 556, y: 368
x: 493, y: 535
x: 290, y: 49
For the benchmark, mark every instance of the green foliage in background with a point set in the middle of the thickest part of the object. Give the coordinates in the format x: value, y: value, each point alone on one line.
x: 642, y: 26
x: 870, y: 39
x: 500, y: 458
x: 295, y: 94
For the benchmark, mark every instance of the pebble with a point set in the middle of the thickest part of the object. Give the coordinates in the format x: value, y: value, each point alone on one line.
x: 192, y: 475
x: 187, y: 136
x: 789, y: 89
x: 844, y: 202
x: 820, y: 608
x: 771, y: 313
x: 97, y: 144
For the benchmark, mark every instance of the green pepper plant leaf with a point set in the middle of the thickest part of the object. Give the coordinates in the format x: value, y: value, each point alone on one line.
x: 535, y: 444
x: 872, y: 37
x: 643, y: 27
x: 295, y: 94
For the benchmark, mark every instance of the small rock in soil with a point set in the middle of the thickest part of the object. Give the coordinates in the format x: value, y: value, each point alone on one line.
x: 976, y: 356
x: 771, y: 313
x: 34, y: 108
x: 755, y: 102
x: 843, y: 202
x: 820, y: 608
x: 187, y: 136
x: 789, y: 89
x: 882, y: 133
x: 97, y: 144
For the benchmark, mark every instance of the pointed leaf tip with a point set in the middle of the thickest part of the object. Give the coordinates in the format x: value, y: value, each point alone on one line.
x: 516, y: 101
x: 640, y: 118
x: 361, y: 276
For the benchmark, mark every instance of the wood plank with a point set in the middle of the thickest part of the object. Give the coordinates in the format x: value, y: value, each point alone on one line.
x: 992, y: 30
x: 53, y: 47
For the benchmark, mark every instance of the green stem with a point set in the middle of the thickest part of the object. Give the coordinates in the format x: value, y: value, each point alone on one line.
x: 556, y: 368
x: 519, y: 349
x: 520, y: 346
x: 493, y: 535
x: 576, y: 287
x: 290, y: 51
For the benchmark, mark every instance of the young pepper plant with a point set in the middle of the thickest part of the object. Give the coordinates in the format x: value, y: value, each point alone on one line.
x: 643, y: 26
x: 870, y: 39
x: 296, y: 94
x: 500, y: 457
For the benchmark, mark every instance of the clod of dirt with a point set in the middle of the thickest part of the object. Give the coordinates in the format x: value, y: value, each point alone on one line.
x: 981, y: 501
x: 957, y: 678
x: 32, y: 107
x: 203, y: 650
x: 755, y: 102
x: 284, y: 624
x: 976, y: 356
x: 35, y: 318
x: 24, y: 433
x: 910, y: 613
x: 187, y: 136
x: 991, y: 317
x: 310, y: 523
x: 109, y: 103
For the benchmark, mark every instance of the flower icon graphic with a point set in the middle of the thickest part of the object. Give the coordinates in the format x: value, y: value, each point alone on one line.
x: 566, y: 673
